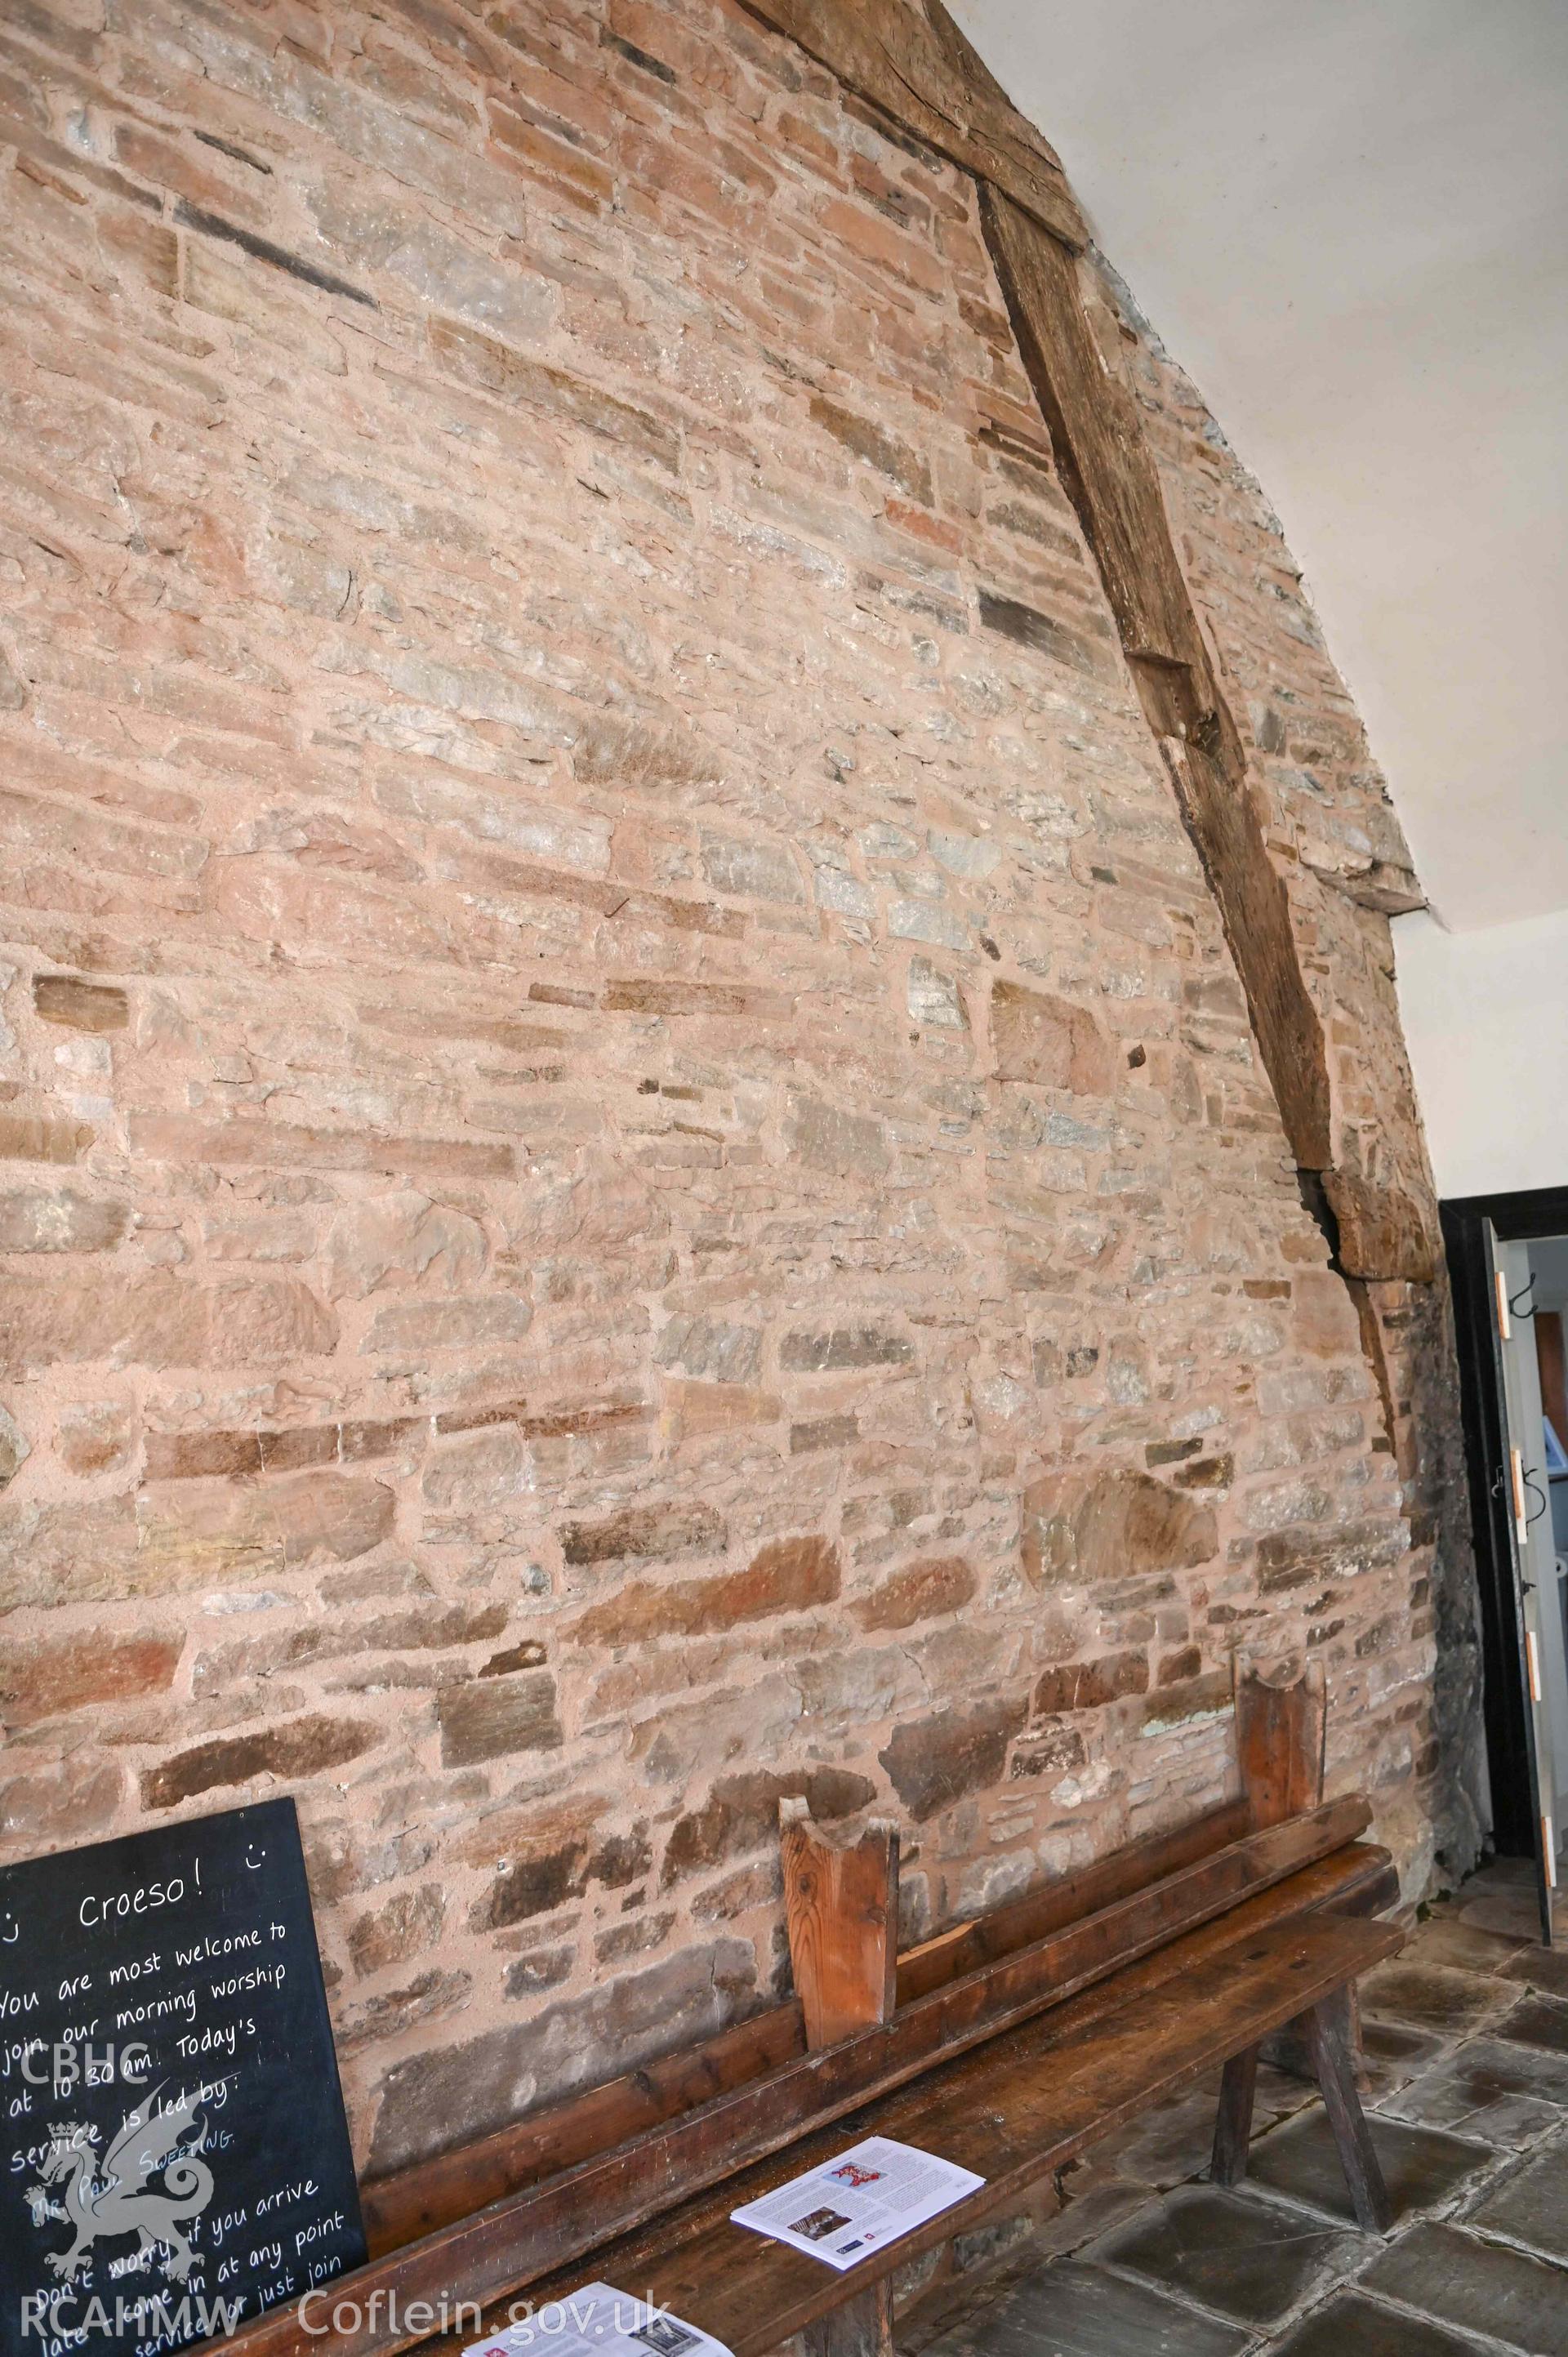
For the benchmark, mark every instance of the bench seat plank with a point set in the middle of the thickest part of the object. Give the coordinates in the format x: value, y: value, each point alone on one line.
x: 1357, y: 1880
x: 1013, y: 2110
x: 661, y: 2099
x: 495, y: 2253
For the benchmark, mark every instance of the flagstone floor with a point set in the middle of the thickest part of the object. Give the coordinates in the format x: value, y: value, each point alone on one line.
x: 1467, y: 2037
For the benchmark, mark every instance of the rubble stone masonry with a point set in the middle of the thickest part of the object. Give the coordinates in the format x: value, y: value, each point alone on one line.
x: 632, y: 1172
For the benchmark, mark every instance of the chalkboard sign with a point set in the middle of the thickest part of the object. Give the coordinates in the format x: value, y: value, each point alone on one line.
x: 177, y: 2158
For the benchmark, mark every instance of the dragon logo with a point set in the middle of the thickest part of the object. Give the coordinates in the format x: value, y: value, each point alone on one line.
x: 114, y: 2196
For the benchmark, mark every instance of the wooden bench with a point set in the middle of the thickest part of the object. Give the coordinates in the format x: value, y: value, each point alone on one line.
x: 1007, y: 2044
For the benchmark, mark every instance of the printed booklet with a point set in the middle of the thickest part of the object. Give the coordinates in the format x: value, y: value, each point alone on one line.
x: 599, y: 2321
x: 854, y: 2205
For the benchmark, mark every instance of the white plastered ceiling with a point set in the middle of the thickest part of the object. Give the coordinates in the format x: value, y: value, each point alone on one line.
x: 1348, y: 220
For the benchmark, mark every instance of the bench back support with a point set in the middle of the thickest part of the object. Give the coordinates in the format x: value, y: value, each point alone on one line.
x: 840, y: 1907
x: 1280, y: 1726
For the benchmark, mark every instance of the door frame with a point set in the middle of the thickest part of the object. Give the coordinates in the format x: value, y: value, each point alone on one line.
x: 1519, y: 1217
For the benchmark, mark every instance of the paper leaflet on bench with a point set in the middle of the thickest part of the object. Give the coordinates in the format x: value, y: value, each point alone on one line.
x: 860, y: 2201
x: 599, y: 2321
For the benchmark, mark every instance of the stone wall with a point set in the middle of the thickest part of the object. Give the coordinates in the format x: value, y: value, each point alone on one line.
x: 632, y: 1172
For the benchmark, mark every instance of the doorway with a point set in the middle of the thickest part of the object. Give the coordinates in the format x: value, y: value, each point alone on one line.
x: 1508, y: 1261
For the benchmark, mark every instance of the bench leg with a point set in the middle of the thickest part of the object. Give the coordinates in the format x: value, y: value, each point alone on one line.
x: 1233, y: 2128
x: 861, y: 2327
x: 1331, y: 2034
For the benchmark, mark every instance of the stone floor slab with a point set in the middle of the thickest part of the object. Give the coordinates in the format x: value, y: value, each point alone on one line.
x: 1515, y: 1914
x: 1252, y: 2260
x: 1448, y: 1940
x: 1172, y: 2141
x: 1393, y: 2055
x: 1531, y: 2206
x: 1356, y: 2326
x: 1538, y: 2021
x: 1431, y: 1996
x: 1539, y: 1968
x: 1071, y: 2309
x: 1423, y: 2166
x: 1490, y: 2088
x: 1501, y: 1874
x: 1480, y: 2286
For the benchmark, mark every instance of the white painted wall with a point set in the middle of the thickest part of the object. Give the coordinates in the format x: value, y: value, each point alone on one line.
x: 1486, y: 1015
x: 1348, y: 219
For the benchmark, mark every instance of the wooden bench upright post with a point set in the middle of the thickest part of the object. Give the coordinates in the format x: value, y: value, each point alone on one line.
x: 1281, y: 1729
x: 840, y: 1907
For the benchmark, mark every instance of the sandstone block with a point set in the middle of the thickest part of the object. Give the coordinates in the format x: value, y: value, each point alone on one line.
x: 1325, y: 1320
x: 409, y: 1922
x: 1048, y: 1042
x: 896, y: 460
x: 934, y: 1761
x: 919, y: 1592
x: 42, y: 1137
x: 1311, y: 1552
x: 541, y: 1969
x: 530, y: 828
x: 691, y: 1411
x: 196, y: 1456
x: 788, y: 1576
x: 934, y: 998
x: 1048, y: 1751
x: 822, y: 1432
x: 71, y: 1554
x: 656, y: 995
x: 491, y: 1718
x: 450, y: 2095
x: 1192, y: 1700
x: 225, y: 1531
x: 1384, y: 1232
x: 1042, y: 634
x: 500, y: 1837
x: 15, y: 1450
x: 245, y: 1144
x: 711, y: 1349
x: 610, y: 750
x: 643, y: 1534
x: 480, y: 1475
x: 160, y: 1319
x: 295, y: 1748
x: 59, y: 1219
x: 826, y: 1138
x: 475, y: 1321
x: 490, y: 366
x: 81, y: 1006
x: 622, y: 1858
x: 402, y: 1239
x: 841, y: 1347
x: 1080, y: 1530
x: 392, y: 2013
x: 741, y: 1813
x: 1088, y: 1685
x: 95, y: 1436
x: 45, y: 1675
x: 228, y: 1669
x: 534, y: 1885
x: 53, y: 1807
